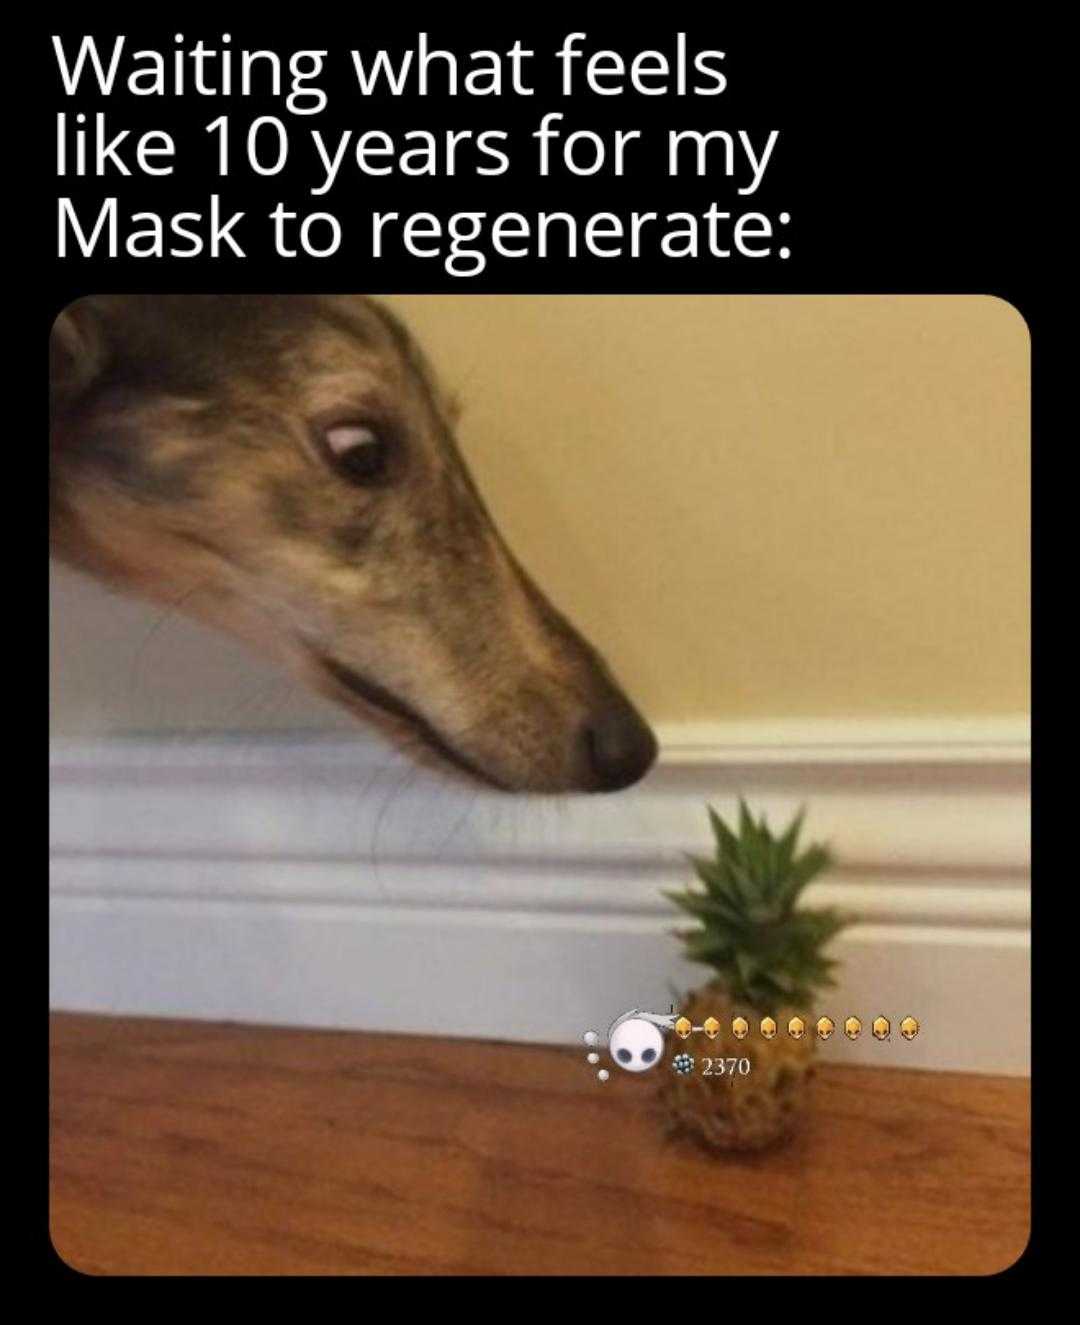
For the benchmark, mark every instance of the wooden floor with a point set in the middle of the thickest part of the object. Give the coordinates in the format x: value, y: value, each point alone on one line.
x: 190, y: 1148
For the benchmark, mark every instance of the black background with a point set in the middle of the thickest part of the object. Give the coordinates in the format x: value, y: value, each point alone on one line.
x: 909, y: 160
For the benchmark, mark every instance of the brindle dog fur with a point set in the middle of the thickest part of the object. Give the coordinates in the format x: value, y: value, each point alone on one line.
x: 193, y: 462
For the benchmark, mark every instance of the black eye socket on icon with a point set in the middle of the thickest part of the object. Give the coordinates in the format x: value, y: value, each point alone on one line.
x: 624, y: 1055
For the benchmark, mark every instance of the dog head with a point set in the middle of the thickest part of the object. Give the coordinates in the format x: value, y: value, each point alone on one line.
x: 287, y: 468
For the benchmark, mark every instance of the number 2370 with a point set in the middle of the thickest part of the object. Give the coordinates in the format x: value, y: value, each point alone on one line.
x: 725, y: 1067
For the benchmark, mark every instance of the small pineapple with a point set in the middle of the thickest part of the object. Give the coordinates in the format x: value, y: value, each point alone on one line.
x: 768, y: 963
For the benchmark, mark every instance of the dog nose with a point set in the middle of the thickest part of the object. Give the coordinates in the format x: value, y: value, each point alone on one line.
x: 621, y: 747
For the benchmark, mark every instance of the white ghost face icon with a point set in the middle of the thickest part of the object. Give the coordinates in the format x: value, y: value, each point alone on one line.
x: 635, y: 1044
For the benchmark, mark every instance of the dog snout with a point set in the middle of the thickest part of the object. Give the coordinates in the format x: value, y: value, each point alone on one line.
x: 620, y: 747
x: 613, y: 747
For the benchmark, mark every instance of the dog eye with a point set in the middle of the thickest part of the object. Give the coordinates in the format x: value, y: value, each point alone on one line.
x: 359, y: 453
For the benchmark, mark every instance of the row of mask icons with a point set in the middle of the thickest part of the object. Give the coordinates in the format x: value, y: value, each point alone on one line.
x: 636, y: 1039
x: 797, y: 1027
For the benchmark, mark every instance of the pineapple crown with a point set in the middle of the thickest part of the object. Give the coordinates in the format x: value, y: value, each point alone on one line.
x: 765, y: 953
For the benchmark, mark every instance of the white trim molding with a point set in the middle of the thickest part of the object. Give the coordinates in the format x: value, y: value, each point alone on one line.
x: 328, y: 882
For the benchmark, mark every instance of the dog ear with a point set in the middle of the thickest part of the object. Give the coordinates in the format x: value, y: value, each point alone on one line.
x: 79, y: 352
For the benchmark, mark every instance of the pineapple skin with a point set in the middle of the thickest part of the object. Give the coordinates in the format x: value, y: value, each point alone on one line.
x: 740, y: 1113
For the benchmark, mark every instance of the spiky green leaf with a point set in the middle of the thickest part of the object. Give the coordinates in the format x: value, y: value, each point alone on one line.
x: 727, y: 844
x: 760, y: 947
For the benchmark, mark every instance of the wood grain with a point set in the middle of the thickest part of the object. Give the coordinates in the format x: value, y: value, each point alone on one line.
x: 195, y: 1148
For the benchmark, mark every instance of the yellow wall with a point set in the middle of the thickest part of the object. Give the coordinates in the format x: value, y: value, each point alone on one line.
x: 758, y: 508
x: 767, y: 506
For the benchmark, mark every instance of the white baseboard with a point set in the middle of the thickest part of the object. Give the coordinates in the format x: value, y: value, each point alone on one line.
x: 327, y: 882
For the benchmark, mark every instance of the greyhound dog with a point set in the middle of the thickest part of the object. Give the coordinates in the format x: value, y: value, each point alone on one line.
x: 285, y: 467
